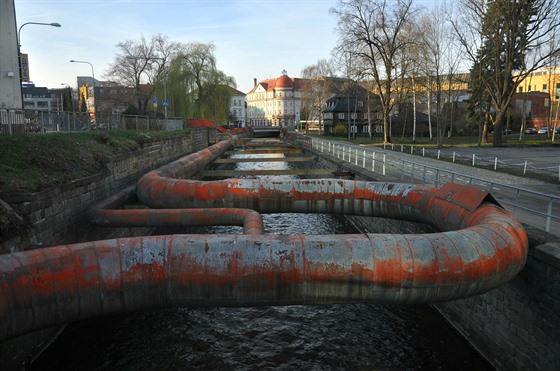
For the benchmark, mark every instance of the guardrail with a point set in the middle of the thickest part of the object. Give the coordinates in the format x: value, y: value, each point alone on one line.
x: 493, y: 162
x: 534, y: 208
x: 38, y: 121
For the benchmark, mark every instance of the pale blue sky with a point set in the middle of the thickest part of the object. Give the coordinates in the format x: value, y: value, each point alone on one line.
x: 253, y: 39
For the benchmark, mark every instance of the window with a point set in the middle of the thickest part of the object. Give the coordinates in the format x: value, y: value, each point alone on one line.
x: 353, y: 115
x: 365, y: 129
x: 341, y: 115
x: 353, y: 129
x: 365, y: 115
x: 529, y: 88
x: 544, y: 87
x: 520, y: 90
x: 557, y: 90
x: 360, y: 103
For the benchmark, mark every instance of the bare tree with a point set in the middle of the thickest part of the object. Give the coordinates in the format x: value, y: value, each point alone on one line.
x: 436, y: 47
x: 141, y: 64
x: 374, y: 31
x: 317, y: 87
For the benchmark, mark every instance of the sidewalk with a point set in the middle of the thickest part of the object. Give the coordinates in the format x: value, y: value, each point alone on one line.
x: 548, y: 157
x: 534, y: 202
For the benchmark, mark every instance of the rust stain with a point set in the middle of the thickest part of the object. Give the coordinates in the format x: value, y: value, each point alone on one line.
x: 480, y: 246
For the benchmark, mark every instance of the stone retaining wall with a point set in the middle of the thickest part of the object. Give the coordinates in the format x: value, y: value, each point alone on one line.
x: 57, y: 215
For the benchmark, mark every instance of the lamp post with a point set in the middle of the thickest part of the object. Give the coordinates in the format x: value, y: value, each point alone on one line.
x: 162, y: 67
x: 93, y: 87
x: 54, y: 24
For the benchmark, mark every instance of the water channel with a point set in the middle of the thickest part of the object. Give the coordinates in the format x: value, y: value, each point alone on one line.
x: 329, y: 337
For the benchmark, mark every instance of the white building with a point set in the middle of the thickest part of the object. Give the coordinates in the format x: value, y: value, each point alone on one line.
x: 275, y: 102
x: 237, y: 109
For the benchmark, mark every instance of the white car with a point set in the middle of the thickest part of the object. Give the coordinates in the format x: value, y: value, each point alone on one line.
x: 543, y: 130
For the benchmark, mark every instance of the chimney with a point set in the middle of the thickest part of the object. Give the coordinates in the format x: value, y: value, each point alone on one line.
x: 255, y: 82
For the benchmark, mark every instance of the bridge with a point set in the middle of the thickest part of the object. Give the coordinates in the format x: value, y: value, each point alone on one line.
x: 266, y: 131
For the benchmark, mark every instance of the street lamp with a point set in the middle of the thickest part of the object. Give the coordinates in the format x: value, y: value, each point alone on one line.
x: 93, y: 85
x: 162, y: 67
x: 37, y: 23
x: 54, y: 24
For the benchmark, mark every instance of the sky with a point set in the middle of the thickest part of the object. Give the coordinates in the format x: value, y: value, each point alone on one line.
x: 252, y: 38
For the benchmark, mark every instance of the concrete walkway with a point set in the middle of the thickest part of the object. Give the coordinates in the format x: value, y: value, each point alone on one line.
x: 530, y: 199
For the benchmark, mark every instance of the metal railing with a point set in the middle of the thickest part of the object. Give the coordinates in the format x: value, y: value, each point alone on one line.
x: 37, y: 121
x: 521, y: 167
x: 534, y: 208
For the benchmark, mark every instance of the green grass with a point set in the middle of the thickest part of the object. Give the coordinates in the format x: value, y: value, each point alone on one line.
x: 511, y: 140
x: 33, y: 162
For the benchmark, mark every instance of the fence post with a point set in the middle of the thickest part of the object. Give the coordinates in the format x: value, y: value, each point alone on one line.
x: 364, y: 160
x: 423, y: 152
x: 373, y: 163
x: 384, y: 164
x: 411, y: 150
x: 438, y: 153
x: 495, y: 163
x: 402, y: 148
x: 473, y: 157
x: 356, y: 156
x: 548, y: 217
x: 525, y: 168
x: 453, y: 156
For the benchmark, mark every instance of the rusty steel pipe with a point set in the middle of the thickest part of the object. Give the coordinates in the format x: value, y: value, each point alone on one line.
x: 108, y: 213
x: 45, y: 287
x: 481, y: 247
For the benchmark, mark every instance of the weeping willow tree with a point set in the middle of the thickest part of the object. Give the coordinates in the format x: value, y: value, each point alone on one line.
x: 196, y: 88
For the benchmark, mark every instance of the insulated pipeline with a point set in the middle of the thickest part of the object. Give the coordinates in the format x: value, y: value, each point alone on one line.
x: 479, y: 247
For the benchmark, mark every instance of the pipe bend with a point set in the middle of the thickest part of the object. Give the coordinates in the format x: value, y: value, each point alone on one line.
x: 480, y: 247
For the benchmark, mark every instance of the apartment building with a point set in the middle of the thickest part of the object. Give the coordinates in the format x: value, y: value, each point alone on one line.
x: 275, y: 102
x: 237, y: 109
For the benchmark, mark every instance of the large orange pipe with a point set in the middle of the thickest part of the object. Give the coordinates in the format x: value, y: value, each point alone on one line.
x: 109, y: 213
x: 482, y: 247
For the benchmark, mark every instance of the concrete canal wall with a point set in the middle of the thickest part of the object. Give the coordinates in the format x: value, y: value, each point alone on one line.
x: 516, y: 326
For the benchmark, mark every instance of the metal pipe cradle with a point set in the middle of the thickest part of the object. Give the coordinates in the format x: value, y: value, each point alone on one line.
x: 479, y: 247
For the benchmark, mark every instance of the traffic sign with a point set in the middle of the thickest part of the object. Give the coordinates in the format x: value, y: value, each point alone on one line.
x: 155, y: 99
x: 165, y: 102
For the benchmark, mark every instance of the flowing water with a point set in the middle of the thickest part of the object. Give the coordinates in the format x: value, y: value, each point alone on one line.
x: 327, y: 337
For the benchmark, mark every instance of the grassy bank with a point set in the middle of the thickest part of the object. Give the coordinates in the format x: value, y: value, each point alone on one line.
x: 511, y: 140
x: 33, y: 162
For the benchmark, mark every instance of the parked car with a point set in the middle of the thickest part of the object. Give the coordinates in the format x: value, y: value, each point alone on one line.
x: 557, y: 130
x: 530, y: 131
x: 543, y: 130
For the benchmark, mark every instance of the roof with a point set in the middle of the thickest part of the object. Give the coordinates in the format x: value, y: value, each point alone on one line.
x: 282, y: 82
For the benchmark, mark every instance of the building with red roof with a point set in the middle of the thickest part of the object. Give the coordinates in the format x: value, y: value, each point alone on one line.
x: 275, y: 102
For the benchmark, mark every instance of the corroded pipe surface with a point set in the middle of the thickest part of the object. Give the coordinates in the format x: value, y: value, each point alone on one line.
x: 481, y: 247
x: 108, y: 213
